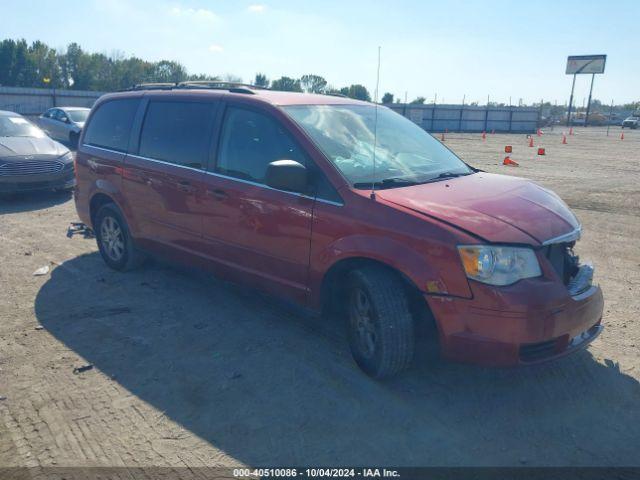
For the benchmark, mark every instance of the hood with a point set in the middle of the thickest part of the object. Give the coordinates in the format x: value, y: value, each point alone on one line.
x: 496, y: 208
x: 21, y: 146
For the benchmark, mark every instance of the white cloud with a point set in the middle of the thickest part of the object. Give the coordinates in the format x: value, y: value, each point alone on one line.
x: 256, y: 8
x: 194, y: 13
x: 216, y: 48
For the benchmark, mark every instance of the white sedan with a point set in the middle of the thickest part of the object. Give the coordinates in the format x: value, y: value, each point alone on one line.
x: 64, y: 123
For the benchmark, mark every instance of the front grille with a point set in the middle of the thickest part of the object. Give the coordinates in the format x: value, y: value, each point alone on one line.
x: 530, y: 352
x: 30, y: 167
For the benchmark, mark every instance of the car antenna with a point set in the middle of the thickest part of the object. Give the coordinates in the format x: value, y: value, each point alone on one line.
x: 375, y: 131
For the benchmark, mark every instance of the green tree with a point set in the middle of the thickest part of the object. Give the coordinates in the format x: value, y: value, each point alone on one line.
x: 75, y: 68
x: 261, y: 80
x: 7, y: 60
x: 418, y: 101
x: 387, y: 98
x: 357, y: 91
x: 286, y: 84
x: 168, y: 71
x: 231, y: 78
x: 313, y: 83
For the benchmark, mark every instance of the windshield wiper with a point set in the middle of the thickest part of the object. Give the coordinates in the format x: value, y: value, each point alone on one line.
x: 453, y: 174
x: 386, y: 183
x: 445, y: 175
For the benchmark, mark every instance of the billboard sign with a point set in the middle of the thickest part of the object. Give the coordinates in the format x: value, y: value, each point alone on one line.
x: 578, y: 64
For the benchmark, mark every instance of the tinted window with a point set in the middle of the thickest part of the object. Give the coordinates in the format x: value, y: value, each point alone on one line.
x: 177, y: 132
x: 250, y: 141
x: 110, y: 125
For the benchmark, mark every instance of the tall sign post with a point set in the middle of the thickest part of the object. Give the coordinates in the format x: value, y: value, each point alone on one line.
x: 583, y: 64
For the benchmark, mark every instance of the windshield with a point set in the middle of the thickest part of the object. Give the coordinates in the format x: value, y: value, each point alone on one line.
x: 405, y: 154
x: 18, y: 127
x: 78, y: 115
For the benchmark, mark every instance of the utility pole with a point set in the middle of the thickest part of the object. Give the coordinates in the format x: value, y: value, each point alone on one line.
x: 610, y: 113
x: 586, y: 118
x: 573, y: 86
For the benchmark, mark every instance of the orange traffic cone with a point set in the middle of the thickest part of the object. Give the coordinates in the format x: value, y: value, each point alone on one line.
x: 508, y: 149
x: 564, y: 139
x: 571, y: 131
x: 541, y: 151
x: 531, y: 141
x: 622, y: 136
x: 484, y: 135
x: 539, y: 132
x: 507, y: 161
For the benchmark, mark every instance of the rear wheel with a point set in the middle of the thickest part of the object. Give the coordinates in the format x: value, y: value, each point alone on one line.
x: 380, y: 325
x: 114, y: 240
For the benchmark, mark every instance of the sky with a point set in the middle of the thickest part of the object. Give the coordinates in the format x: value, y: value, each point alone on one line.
x: 452, y: 49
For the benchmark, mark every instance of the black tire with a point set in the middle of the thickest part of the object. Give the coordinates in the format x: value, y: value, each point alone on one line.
x: 130, y: 258
x: 391, y: 328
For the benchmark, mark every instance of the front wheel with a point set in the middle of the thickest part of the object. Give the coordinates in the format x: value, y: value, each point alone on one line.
x: 114, y: 240
x: 380, y: 325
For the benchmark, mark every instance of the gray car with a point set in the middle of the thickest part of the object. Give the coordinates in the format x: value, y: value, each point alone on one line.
x: 29, y: 159
x: 64, y: 123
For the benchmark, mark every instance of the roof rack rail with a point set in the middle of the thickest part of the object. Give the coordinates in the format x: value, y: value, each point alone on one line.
x: 219, y: 84
x: 336, y: 94
x: 150, y: 86
x: 234, y: 87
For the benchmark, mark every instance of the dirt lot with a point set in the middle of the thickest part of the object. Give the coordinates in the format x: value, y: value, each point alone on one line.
x: 190, y: 371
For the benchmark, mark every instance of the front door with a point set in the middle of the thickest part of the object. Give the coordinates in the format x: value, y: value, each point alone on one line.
x: 163, y: 181
x: 261, y: 233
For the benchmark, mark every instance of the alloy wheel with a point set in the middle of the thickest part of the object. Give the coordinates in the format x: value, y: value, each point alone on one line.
x: 112, y: 238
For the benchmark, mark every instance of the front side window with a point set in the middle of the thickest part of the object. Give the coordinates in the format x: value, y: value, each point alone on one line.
x: 404, y: 153
x: 110, y: 125
x: 177, y: 132
x: 250, y: 141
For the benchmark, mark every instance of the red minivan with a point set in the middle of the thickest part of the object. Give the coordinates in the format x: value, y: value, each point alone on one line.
x: 344, y: 207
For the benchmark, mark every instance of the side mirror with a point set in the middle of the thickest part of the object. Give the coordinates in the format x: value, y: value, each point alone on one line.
x: 287, y: 175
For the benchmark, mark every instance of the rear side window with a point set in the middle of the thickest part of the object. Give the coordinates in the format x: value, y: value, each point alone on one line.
x: 110, y: 125
x: 250, y: 141
x: 177, y: 132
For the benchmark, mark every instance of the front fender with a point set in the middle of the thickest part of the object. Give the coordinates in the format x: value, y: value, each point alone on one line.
x: 435, y: 269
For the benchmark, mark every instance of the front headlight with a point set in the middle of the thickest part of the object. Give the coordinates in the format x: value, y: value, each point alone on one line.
x: 498, y: 265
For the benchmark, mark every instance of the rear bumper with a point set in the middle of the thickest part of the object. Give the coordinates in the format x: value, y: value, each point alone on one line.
x: 28, y: 183
x: 517, y: 334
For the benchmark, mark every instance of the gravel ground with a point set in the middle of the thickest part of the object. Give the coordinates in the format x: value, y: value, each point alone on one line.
x: 191, y: 371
